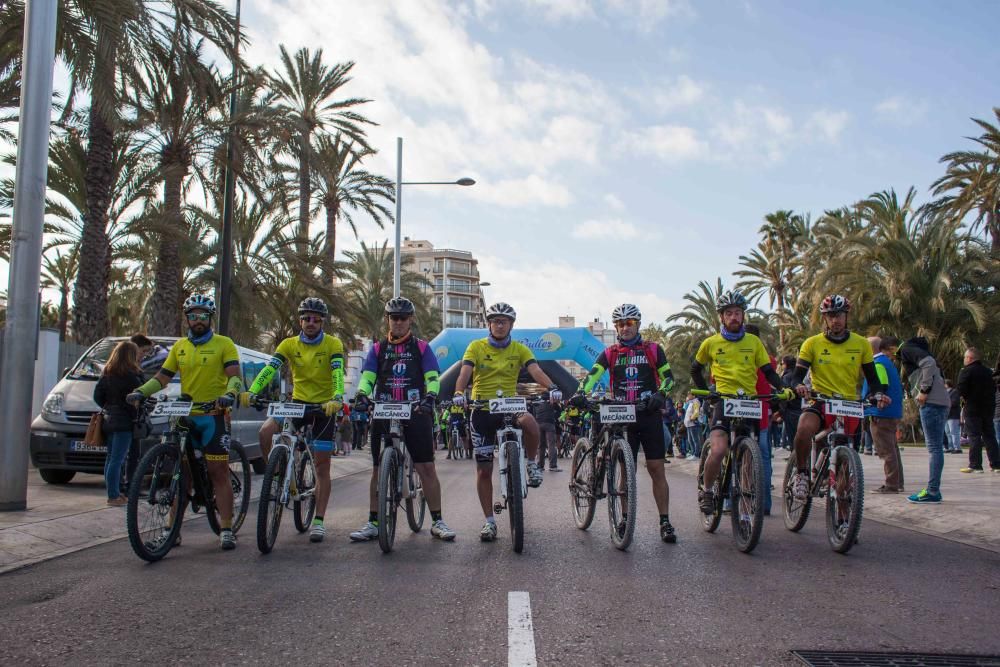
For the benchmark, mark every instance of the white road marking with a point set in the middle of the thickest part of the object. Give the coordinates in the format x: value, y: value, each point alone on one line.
x: 520, y: 633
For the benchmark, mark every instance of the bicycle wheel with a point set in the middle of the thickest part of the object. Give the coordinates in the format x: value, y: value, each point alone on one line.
x: 746, y: 492
x: 155, y: 509
x: 304, y: 510
x: 710, y: 522
x: 269, y: 506
x: 416, y: 506
x: 239, y: 477
x: 845, y: 501
x: 388, y: 483
x: 621, y: 494
x: 796, y: 511
x: 515, y: 501
x: 453, y: 445
x: 581, y: 485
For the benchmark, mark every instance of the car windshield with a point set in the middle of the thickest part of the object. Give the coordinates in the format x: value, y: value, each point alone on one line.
x: 91, y: 365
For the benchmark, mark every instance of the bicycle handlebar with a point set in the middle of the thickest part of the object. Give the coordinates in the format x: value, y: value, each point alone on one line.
x: 746, y: 397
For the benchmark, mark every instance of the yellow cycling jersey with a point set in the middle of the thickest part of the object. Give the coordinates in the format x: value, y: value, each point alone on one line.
x: 202, y: 367
x: 734, y: 364
x: 496, y: 368
x: 317, y: 370
x: 836, y: 367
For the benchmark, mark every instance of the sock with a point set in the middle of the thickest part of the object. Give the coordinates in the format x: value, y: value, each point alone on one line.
x: 227, y: 525
x: 435, y: 516
x: 491, y: 519
x: 317, y: 521
x: 373, y: 517
x: 664, y: 518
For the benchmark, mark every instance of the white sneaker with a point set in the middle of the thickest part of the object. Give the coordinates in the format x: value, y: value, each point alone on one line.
x: 800, y: 486
x: 317, y: 532
x: 489, y: 532
x: 369, y: 531
x: 534, y: 475
x: 690, y: 457
x: 440, y: 530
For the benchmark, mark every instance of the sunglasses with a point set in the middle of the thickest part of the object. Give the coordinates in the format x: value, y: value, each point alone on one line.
x: 310, y: 318
x: 627, y: 323
x: 399, y: 318
x: 198, y: 317
x: 502, y: 321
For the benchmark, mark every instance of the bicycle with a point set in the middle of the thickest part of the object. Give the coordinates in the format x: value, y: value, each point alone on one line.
x: 397, y: 478
x: 606, y: 455
x: 172, y: 484
x: 835, y: 470
x: 741, y: 477
x: 455, y: 448
x: 565, y: 442
x: 510, y: 462
x: 290, y: 474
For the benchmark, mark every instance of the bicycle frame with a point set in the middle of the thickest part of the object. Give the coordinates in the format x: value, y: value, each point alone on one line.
x: 290, y: 438
x: 407, y: 487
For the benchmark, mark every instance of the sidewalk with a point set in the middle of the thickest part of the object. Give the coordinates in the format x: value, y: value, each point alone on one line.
x: 64, y: 519
x: 968, y: 514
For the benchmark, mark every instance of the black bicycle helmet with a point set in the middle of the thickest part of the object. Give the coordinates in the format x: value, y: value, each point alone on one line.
x: 312, y: 304
x: 730, y: 298
x: 399, y: 306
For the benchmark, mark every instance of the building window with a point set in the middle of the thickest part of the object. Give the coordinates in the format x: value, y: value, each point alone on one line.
x: 456, y: 319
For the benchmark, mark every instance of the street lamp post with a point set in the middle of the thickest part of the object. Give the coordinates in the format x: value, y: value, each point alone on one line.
x: 397, y: 264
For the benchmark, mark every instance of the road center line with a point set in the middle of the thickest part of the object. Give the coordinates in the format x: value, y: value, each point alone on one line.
x: 520, y: 633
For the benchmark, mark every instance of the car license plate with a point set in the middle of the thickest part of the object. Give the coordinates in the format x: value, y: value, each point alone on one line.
x: 508, y: 406
x: 286, y: 410
x: 399, y: 411
x: 735, y: 407
x: 81, y: 446
x: 617, y: 414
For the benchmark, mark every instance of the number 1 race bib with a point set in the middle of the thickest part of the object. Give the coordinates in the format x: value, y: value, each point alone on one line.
x: 617, y: 414
x: 392, y: 411
x: 841, y: 408
x: 285, y: 410
x: 734, y: 407
x: 172, y: 409
x: 508, y: 406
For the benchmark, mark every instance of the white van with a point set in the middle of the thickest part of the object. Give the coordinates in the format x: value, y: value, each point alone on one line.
x: 57, y: 447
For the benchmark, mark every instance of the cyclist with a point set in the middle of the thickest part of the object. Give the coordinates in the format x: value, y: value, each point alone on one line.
x: 735, y: 357
x: 456, y: 420
x: 401, y: 368
x: 836, y: 358
x: 573, y: 421
x: 497, y: 361
x: 316, y: 363
x: 209, y: 365
x: 639, y: 372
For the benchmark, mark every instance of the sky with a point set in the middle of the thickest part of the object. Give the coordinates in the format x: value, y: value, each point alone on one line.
x: 626, y: 149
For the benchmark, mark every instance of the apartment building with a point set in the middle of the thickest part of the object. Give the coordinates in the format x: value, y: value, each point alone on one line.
x: 456, y: 283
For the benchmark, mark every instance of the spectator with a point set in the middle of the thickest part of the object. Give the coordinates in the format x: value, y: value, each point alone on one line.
x: 151, y: 355
x: 692, y: 422
x: 545, y: 415
x: 121, y: 375
x: 792, y: 409
x: 975, y: 385
x: 932, y: 397
x: 669, y: 414
x: 359, y: 422
x: 344, y: 435
x: 884, y: 421
x: 680, y: 432
x: 954, y: 426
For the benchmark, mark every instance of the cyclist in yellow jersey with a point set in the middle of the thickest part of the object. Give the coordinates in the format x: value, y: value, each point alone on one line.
x: 735, y: 356
x: 836, y: 358
x: 316, y: 362
x: 209, y: 365
x: 493, y: 364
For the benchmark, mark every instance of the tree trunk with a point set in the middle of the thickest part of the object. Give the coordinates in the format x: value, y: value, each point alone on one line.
x: 304, y: 192
x: 781, y: 325
x: 63, y: 312
x: 165, y: 306
x: 332, y: 205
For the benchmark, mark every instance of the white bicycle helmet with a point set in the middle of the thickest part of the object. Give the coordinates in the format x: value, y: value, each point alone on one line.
x: 199, y: 302
x: 730, y: 298
x: 501, y: 309
x: 626, y: 311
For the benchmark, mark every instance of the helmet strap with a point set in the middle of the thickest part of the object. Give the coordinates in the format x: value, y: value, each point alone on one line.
x: 202, y: 339
x: 315, y: 340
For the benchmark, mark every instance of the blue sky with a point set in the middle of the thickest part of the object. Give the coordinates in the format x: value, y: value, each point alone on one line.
x: 626, y: 149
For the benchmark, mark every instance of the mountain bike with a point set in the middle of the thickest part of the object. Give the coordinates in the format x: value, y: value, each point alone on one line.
x: 290, y: 475
x: 510, y: 462
x: 609, y: 456
x: 177, y: 475
x: 456, y: 450
x: 566, y: 442
x: 398, y: 481
x: 835, y: 471
x: 741, y: 477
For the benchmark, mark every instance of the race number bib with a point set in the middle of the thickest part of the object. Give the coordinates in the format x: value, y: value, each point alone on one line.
x: 734, y: 407
x: 172, y: 409
x: 399, y: 411
x: 617, y: 414
x: 842, y: 408
x: 508, y: 406
x: 285, y: 410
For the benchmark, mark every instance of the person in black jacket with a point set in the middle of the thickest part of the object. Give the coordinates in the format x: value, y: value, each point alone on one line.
x: 122, y: 374
x: 975, y: 384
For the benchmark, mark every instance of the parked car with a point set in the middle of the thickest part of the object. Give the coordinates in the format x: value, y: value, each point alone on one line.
x: 57, y: 447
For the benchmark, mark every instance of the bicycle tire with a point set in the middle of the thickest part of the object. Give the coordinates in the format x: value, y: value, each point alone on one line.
x: 747, y: 500
x: 239, y: 478
x: 621, y: 516
x: 842, y: 535
x: 710, y: 522
x: 795, y: 512
x: 515, y: 501
x: 416, y: 507
x: 581, y: 485
x: 269, y: 505
x: 161, y: 465
x: 304, y: 511
x: 388, y: 482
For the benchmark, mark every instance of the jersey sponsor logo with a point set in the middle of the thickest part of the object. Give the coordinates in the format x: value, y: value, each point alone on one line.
x: 399, y: 369
x: 632, y: 372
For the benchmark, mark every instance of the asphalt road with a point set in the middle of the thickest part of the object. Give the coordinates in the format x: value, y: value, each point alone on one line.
x: 695, y: 602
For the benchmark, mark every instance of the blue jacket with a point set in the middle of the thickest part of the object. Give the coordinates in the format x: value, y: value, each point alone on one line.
x: 889, y: 376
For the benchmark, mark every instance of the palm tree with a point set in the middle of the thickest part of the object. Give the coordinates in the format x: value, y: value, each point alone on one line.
x: 971, y: 183
x: 306, y: 88
x: 764, y: 273
x: 58, y: 273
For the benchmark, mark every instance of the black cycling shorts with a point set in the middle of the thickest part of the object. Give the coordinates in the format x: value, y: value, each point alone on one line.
x: 209, y: 433
x: 484, y: 427
x: 324, y: 430
x: 417, y: 434
x: 647, y: 432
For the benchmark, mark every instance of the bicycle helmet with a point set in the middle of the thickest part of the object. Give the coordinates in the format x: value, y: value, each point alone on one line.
x: 500, y: 309
x: 312, y: 304
x: 199, y: 302
x: 835, y: 303
x: 730, y: 298
x: 399, y: 306
x: 626, y: 311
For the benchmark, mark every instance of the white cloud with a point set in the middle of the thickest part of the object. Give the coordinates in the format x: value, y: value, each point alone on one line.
x: 529, y: 191
x: 681, y: 92
x: 641, y: 15
x: 613, y: 202
x: 901, y: 110
x: 562, y: 9
x: 827, y: 124
x: 614, y: 228
x: 670, y: 143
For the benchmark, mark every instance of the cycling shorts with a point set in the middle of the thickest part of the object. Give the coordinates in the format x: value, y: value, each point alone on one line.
x: 720, y: 422
x: 209, y: 433
x: 647, y: 432
x: 818, y: 408
x: 417, y: 434
x: 484, y: 427
x: 324, y: 430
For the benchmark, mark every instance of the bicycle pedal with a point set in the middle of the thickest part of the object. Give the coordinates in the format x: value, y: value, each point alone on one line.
x: 498, y: 508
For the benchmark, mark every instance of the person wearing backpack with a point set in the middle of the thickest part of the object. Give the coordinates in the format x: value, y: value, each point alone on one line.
x: 639, y: 373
